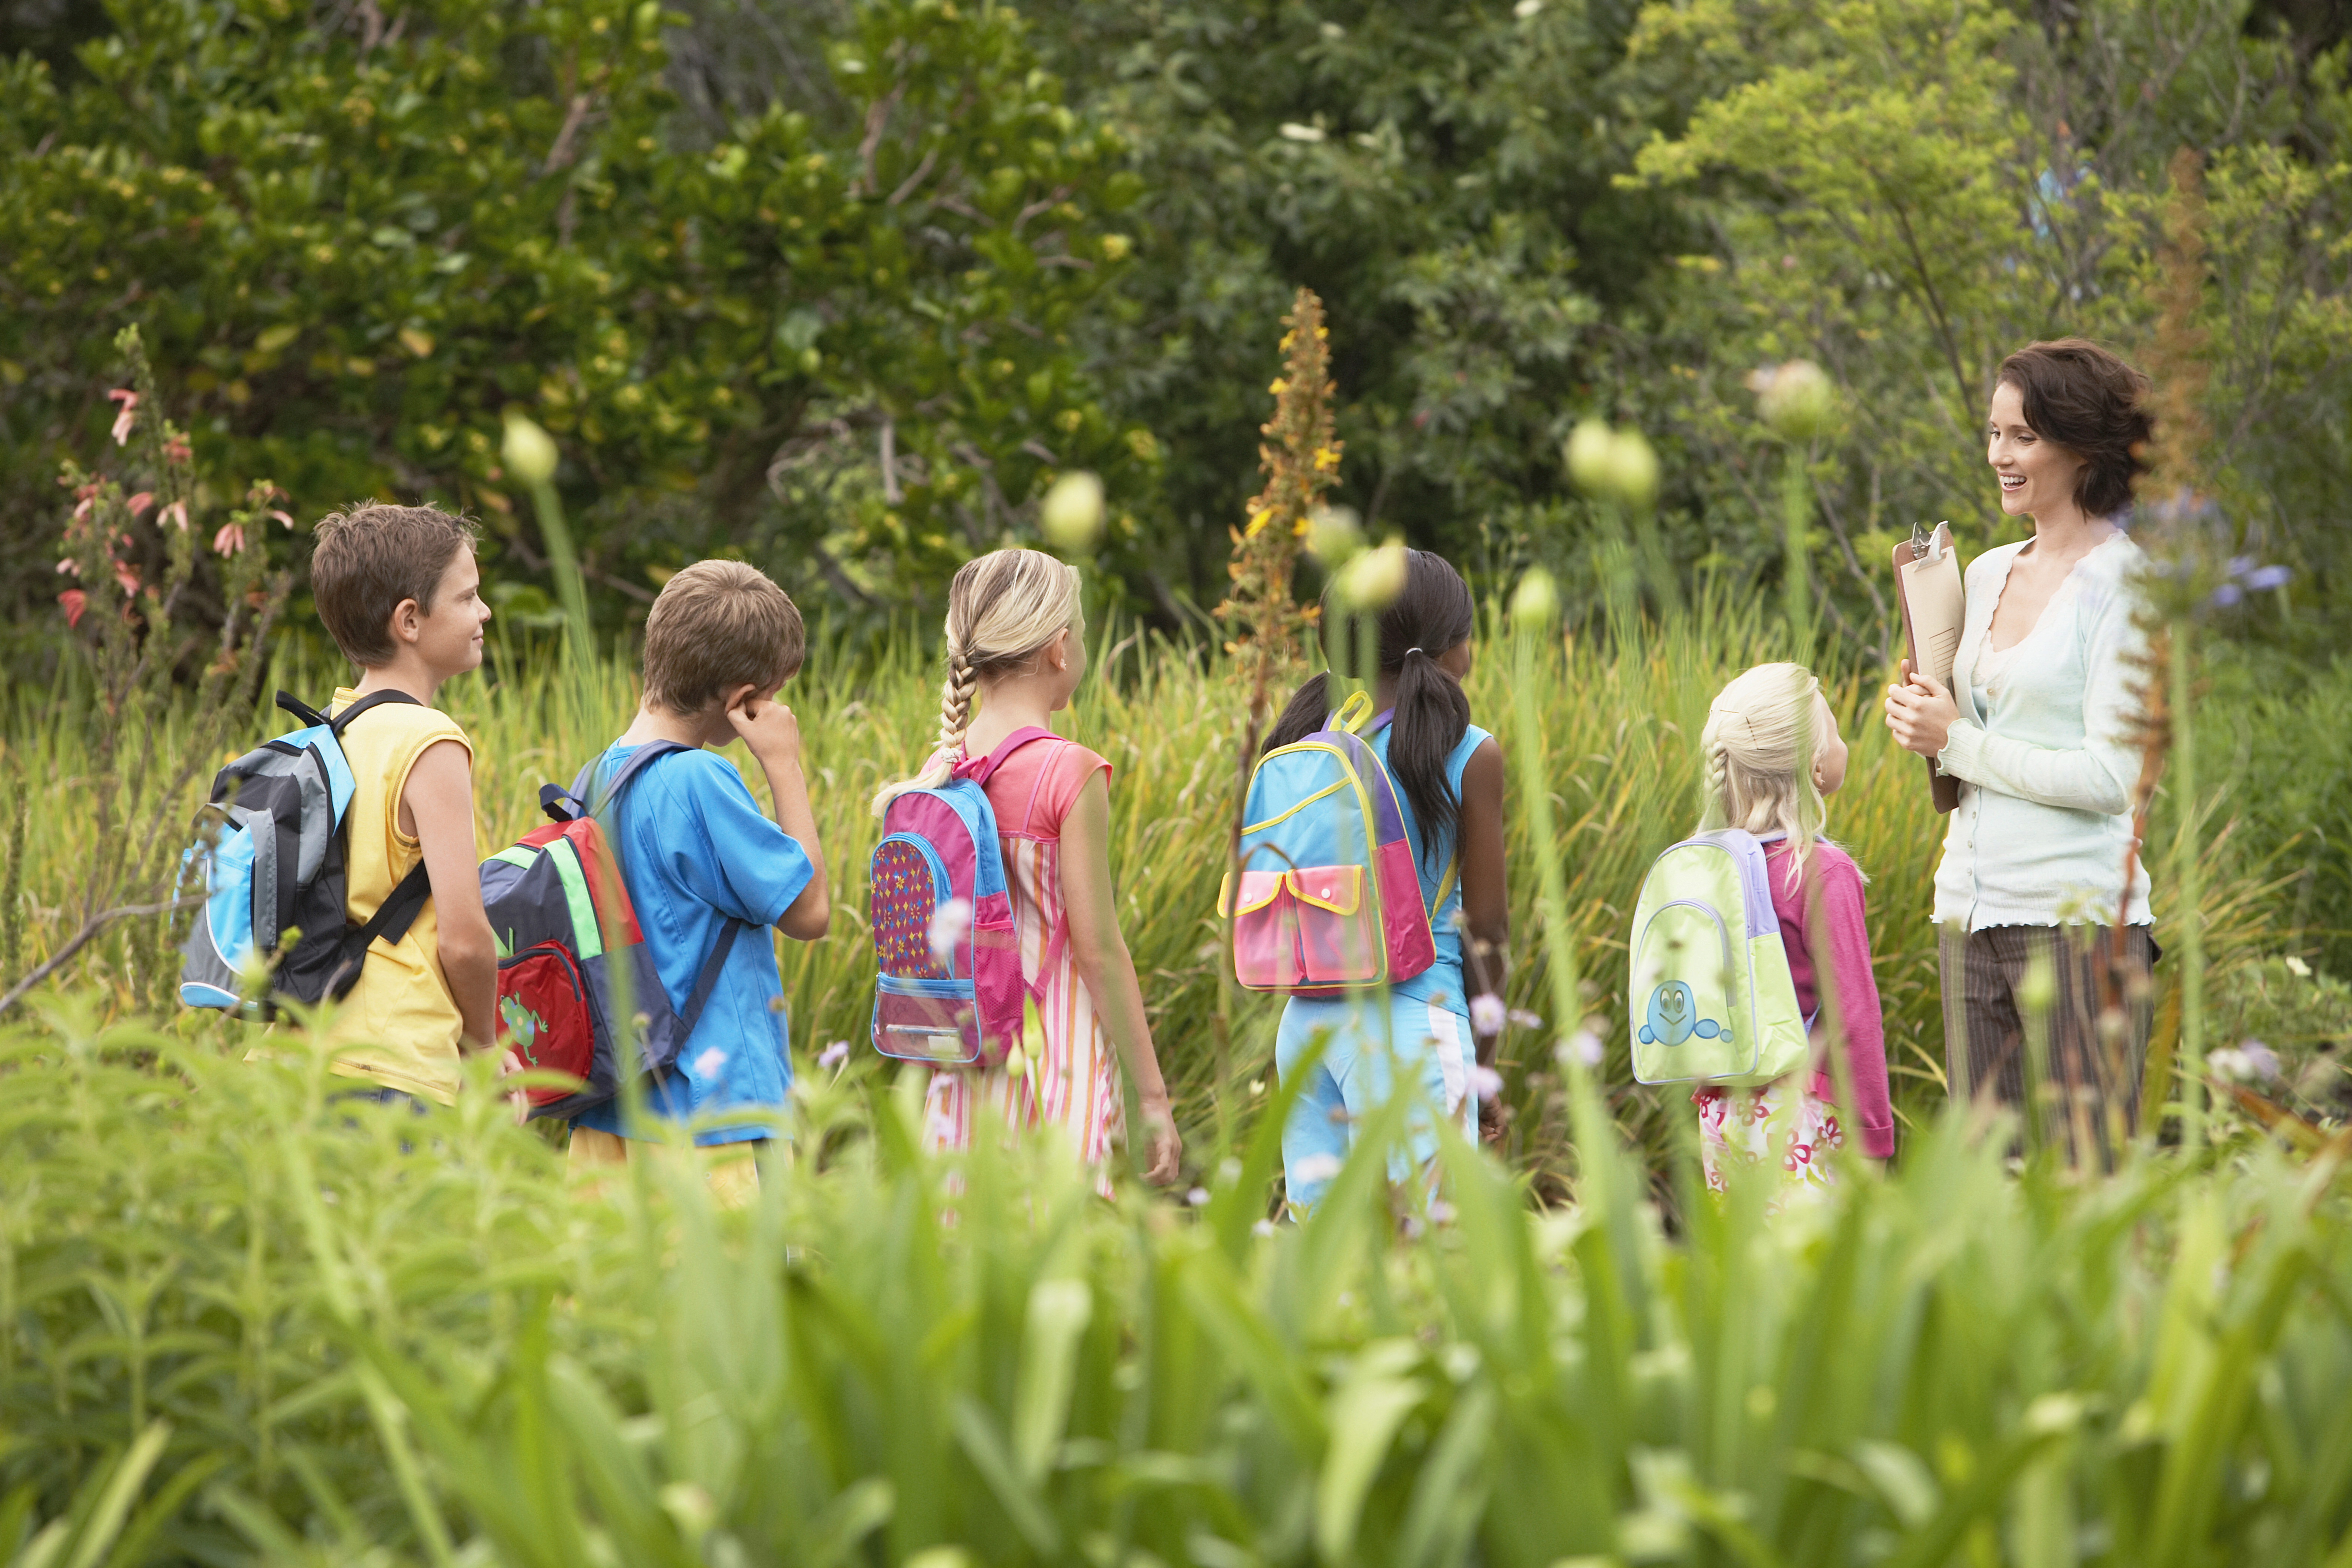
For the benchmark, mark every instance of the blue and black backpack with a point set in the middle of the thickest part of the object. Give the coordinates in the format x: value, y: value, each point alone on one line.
x: 268, y: 863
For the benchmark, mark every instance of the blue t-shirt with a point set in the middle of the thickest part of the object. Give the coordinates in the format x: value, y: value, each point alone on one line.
x: 1442, y: 984
x: 694, y: 848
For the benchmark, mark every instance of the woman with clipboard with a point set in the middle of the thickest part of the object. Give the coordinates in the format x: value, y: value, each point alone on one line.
x: 2033, y: 726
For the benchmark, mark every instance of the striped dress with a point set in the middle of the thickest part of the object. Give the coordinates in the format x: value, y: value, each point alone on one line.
x: 1072, y: 1081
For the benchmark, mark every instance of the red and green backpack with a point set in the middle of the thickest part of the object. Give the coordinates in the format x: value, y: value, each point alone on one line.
x: 559, y: 908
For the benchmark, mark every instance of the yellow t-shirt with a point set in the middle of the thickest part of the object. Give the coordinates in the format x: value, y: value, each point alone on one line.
x: 400, y: 1020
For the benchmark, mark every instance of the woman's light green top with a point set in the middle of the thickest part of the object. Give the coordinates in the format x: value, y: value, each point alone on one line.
x: 2044, y: 755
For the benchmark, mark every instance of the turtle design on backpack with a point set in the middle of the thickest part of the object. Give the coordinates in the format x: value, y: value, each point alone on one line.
x: 1709, y: 995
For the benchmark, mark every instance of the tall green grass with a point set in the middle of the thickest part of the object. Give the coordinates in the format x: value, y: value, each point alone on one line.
x: 240, y: 1323
x: 1618, y: 728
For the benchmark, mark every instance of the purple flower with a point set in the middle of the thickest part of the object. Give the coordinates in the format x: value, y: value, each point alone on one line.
x: 708, y: 1064
x: 1197, y: 1196
x: 2240, y: 565
x: 1312, y: 1168
x: 2260, y: 1059
x: 949, y: 922
x: 2227, y: 594
x: 1485, y: 1082
x: 2264, y: 578
x: 1524, y: 1019
x: 833, y: 1055
x: 1486, y: 1013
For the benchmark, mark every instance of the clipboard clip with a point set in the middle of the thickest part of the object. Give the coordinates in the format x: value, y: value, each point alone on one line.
x: 1927, y: 543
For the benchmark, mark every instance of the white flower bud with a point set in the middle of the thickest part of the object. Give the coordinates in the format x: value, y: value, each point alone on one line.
x: 1795, y: 399
x: 1333, y: 536
x: 1071, y: 513
x: 530, y: 451
x: 1588, y: 455
x: 1536, y: 601
x: 1373, y: 579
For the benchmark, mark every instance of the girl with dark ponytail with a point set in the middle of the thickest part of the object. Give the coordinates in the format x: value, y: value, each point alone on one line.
x: 1449, y: 779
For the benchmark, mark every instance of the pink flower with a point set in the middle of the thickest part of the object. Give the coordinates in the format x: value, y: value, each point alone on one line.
x: 140, y: 502
x: 127, y: 574
x: 70, y: 567
x: 84, y: 496
x: 230, y: 539
x: 1487, y: 1014
x: 177, y: 512
x: 175, y: 450
x: 1485, y: 1082
x: 73, y: 601
x: 128, y: 418
x: 281, y: 517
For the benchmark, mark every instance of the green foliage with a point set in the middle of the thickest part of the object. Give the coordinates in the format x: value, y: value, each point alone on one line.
x: 353, y: 244
x: 1616, y: 744
x: 240, y: 1322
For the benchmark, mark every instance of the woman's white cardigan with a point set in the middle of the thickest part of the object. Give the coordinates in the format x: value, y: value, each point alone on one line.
x: 2047, y: 768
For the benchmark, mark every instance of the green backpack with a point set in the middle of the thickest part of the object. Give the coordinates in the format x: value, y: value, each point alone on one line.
x: 1710, y: 998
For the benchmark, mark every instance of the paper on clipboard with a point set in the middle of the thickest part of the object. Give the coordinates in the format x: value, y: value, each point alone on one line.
x: 1935, y: 606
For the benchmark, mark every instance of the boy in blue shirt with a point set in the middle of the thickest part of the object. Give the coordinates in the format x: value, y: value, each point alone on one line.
x: 696, y: 854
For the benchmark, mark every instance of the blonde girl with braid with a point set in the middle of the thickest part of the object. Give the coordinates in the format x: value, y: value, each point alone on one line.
x: 1773, y: 756
x: 1015, y: 652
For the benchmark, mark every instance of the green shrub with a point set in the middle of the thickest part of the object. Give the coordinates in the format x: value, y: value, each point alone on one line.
x: 349, y: 1334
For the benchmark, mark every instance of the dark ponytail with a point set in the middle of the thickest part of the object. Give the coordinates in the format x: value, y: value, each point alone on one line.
x: 1433, y: 614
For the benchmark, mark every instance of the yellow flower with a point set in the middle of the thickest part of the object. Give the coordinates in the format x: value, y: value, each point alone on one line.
x: 1257, y: 521
x: 1279, y: 387
x: 1326, y: 459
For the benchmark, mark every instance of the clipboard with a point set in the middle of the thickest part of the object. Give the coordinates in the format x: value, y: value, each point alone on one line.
x: 1927, y: 571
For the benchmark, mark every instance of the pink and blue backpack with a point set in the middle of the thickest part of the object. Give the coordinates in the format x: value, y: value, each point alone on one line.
x: 1325, y: 895
x: 948, y: 990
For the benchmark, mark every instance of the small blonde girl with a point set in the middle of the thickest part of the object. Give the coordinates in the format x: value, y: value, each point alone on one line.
x: 1758, y: 731
x: 1016, y: 644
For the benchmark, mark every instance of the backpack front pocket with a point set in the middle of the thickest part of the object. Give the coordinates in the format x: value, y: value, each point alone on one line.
x: 1307, y: 926
x: 923, y: 1020
x: 543, y: 1017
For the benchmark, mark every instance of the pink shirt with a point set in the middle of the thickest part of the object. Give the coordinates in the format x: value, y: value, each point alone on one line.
x: 1846, y: 937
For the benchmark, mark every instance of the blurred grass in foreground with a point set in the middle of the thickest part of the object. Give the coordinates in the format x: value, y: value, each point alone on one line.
x: 1619, y: 735
x: 239, y: 1323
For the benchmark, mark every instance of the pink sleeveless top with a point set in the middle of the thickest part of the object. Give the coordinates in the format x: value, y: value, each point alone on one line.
x: 1072, y: 1082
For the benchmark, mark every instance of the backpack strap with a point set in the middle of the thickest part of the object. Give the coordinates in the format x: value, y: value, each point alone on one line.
x: 591, y: 800
x: 391, y: 922
x: 980, y: 770
x: 342, y: 720
x: 706, y: 980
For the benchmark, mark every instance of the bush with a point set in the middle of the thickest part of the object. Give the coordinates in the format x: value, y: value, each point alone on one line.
x: 347, y: 1333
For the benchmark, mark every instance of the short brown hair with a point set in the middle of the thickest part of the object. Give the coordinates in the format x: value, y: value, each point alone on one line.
x: 2086, y: 400
x: 719, y: 623
x: 367, y: 558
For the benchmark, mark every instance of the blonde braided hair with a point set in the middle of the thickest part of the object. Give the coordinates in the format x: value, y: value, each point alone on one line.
x: 1758, y: 743
x: 1002, y: 607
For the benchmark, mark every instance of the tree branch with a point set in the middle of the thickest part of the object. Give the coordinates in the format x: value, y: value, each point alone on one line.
x: 82, y: 938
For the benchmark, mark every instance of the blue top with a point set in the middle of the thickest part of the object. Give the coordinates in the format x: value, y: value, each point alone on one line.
x: 1441, y: 984
x: 695, y: 849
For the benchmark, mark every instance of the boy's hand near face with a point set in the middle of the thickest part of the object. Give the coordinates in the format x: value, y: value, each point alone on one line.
x: 767, y: 726
x: 774, y: 735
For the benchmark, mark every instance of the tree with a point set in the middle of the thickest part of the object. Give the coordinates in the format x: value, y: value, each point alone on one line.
x: 353, y: 241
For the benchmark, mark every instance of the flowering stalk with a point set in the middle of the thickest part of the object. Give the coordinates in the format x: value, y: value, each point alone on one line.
x: 1300, y: 457
x: 1532, y: 609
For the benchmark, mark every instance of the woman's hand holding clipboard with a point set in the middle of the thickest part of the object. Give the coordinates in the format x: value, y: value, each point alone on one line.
x: 1927, y: 586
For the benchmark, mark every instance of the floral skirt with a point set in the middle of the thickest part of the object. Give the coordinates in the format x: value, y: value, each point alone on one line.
x: 1783, y: 1124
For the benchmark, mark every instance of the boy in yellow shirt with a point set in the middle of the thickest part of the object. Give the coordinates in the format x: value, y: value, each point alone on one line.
x: 397, y: 590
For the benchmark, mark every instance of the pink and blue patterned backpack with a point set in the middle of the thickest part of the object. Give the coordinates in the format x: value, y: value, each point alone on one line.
x: 1327, y: 895
x: 949, y: 989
